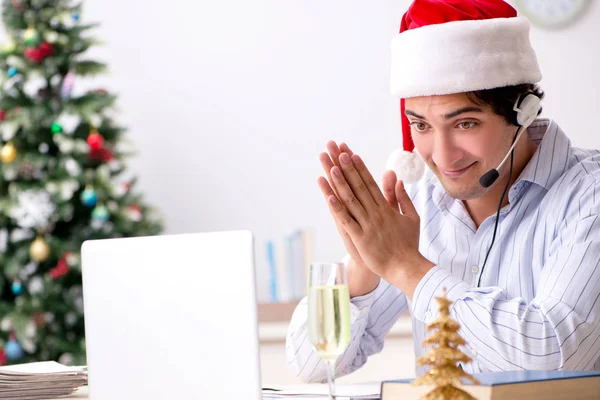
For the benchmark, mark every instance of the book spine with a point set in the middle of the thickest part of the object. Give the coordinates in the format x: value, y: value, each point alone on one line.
x: 283, y: 290
x: 291, y: 268
x: 307, y: 256
x: 272, y: 271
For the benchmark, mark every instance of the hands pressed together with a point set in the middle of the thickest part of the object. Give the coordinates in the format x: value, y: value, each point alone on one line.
x: 380, y: 230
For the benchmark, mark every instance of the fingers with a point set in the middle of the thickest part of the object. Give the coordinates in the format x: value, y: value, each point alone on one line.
x: 339, y: 212
x: 345, y: 149
x: 356, y: 183
x: 334, y: 152
x: 325, y: 187
x: 389, y: 189
x: 368, y: 180
x: 327, y: 164
x: 350, y: 197
x: 406, y: 204
x: 329, y: 160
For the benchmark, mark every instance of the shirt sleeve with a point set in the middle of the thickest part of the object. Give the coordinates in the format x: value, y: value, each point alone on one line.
x: 371, y: 318
x: 558, y: 329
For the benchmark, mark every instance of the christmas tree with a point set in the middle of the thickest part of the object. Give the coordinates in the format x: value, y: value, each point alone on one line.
x: 62, y: 179
x: 444, y: 357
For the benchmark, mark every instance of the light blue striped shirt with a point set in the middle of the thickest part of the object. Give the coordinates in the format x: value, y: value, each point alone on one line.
x: 538, y: 305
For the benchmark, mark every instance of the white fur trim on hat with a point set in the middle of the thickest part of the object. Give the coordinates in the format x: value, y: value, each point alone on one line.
x: 462, y: 56
x: 409, y: 167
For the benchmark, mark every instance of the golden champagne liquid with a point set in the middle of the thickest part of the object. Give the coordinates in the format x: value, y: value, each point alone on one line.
x: 329, y: 320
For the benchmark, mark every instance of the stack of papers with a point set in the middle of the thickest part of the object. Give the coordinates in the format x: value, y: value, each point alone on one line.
x: 40, y: 380
x: 361, y: 391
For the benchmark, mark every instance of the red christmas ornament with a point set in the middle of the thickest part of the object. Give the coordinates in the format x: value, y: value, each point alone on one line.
x: 102, y: 154
x: 61, y: 269
x: 2, y: 115
x: 46, y: 49
x: 95, y: 141
x: 3, y: 359
x: 34, y: 55
x: 135, y: 208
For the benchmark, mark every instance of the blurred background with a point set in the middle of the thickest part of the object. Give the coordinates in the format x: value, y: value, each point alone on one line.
x: 229, y: 103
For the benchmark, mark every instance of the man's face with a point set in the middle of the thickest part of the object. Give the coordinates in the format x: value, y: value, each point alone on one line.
x: 459, y: 140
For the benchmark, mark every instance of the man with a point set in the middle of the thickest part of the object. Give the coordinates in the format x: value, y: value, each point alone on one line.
x: 506, y: 217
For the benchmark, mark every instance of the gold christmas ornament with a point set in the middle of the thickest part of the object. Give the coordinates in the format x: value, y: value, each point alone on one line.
x: 39, y: 250
x: 444, y: 356
x: 8, y: 153
x: 31, y: 37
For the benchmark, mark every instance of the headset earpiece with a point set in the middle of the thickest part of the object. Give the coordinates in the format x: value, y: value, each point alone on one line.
x: 527, y: 109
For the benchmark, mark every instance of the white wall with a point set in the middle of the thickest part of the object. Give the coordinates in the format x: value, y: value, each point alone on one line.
x: 229, y: 103
x: 570, y: 61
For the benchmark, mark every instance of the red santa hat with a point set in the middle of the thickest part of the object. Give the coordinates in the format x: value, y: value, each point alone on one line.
x: 455, y: 46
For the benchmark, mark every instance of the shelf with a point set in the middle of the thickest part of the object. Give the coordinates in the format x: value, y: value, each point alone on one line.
x: 275, y: 332
x: 274, y: 319
x: 276, y: 312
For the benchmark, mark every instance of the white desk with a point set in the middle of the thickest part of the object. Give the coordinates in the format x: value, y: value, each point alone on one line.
x: 395, y: 361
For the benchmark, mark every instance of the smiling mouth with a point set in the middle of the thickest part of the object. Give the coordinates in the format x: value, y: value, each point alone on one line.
x: 457, y: 172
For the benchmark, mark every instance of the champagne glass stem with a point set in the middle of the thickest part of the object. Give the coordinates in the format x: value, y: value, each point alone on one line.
x: 331, y: 378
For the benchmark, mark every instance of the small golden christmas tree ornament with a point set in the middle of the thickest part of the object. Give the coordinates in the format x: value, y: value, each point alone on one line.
x: 444, y: 357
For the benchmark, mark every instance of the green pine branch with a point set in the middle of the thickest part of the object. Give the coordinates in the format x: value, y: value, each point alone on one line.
x: 90, y: 68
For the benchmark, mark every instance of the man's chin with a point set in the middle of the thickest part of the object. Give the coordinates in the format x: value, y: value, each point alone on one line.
x: 466, y: 188
x: 465, y: 193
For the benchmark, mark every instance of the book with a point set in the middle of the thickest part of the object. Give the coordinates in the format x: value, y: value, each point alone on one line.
x: 273, y: 282
x: 288, y: 264
x: 283, y: 288
x: 300, y: 255
x: 509, y: 385
x: 357, y: 391
x: 40, y: 380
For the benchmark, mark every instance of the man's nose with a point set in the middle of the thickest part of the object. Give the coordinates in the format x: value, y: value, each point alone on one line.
x: 445, y: 152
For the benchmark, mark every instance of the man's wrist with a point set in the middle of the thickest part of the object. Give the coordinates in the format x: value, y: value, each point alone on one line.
x: 361, y: 281
x: 407, y: 275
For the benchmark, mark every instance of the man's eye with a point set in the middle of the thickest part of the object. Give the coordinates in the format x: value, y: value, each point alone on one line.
x: 419, y: 126
x: 467, y: 124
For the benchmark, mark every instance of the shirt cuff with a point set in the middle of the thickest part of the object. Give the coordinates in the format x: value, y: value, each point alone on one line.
x: 424, y: 305
x: 362, y: 304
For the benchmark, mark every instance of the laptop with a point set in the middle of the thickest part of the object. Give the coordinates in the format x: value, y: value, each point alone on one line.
x: 171, y: 317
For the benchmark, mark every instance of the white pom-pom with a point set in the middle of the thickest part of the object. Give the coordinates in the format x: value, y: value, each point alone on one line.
x: 409, y: 167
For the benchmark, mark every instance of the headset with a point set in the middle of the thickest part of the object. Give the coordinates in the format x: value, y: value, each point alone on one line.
x: 527, y: 109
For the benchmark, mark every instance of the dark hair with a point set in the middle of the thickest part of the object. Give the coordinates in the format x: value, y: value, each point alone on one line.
x: 502, y: 100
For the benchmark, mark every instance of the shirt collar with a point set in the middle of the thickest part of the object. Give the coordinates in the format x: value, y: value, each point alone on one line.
x: 548, y: 135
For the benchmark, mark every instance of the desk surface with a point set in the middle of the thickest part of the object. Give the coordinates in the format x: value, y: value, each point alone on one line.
x: 275, y: 332
x: 82, y: 393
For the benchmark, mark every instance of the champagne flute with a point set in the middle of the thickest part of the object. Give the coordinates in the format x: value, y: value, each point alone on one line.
x: 328, y: 314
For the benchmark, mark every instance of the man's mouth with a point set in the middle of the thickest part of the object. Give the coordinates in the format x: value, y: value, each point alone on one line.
x: 455, y: 173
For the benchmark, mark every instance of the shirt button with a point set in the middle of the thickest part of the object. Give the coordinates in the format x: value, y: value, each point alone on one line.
x: 475, y: 269
x: 428, y: 314
x: 474, y: 353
